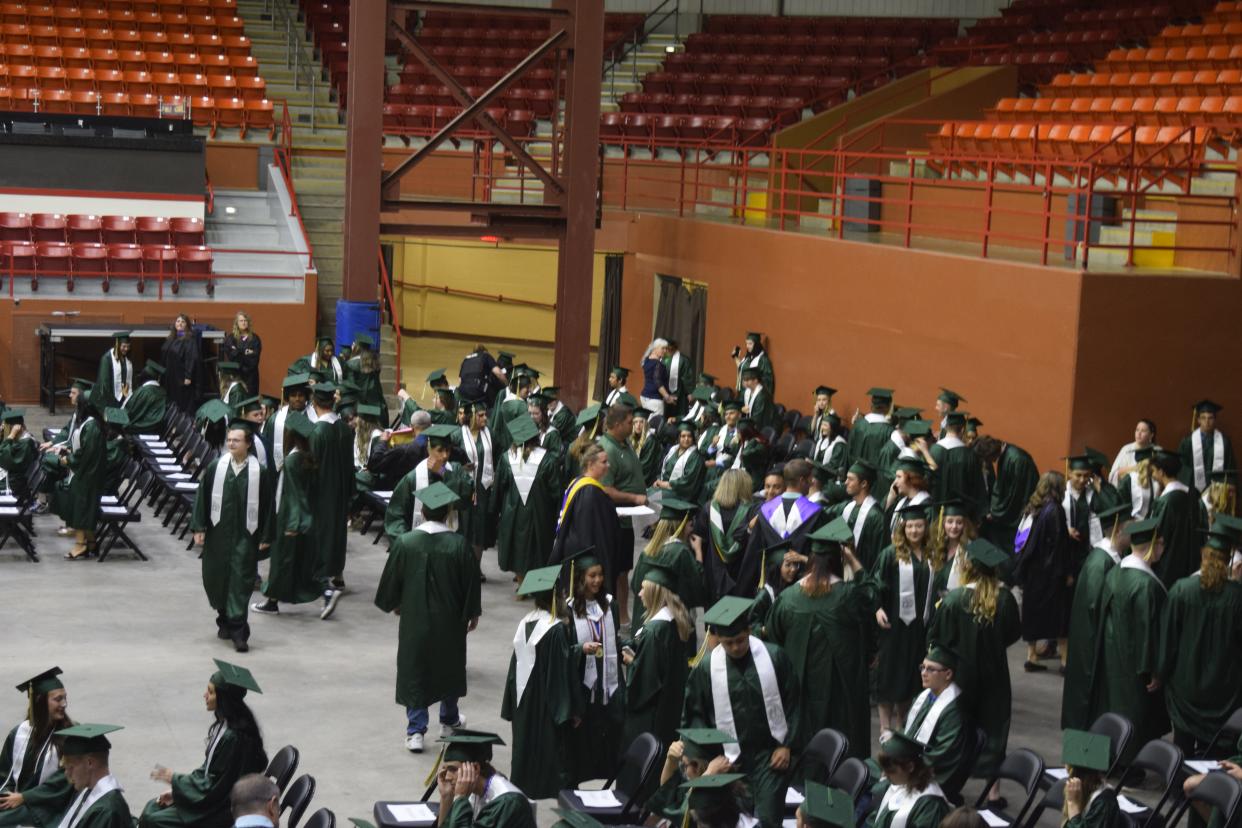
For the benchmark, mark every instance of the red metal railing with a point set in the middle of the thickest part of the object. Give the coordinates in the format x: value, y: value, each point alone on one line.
x: 283, y: 154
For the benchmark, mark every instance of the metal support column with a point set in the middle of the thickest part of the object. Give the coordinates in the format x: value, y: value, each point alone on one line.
x: 368, y: 26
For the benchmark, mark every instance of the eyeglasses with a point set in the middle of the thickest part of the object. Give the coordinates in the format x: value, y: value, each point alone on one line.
x: 927, y: 668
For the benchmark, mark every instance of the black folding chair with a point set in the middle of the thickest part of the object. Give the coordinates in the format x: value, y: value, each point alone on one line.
x: 323, y: 818
x: 1163, y: 760
x: 820, y: 759
x: 282, y: 767
x: 638, y: 766
x: 1026, y: 768
x: 1219, y: 790
x: 852, y: 777
x: 296, y: 799
x: 952, y: 786
x: 1230, y: 731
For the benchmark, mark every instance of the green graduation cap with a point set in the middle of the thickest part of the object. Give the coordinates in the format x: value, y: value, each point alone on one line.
x: 1220, y: 540
x: 552, y: 392
x: 154, y: 368
x: 82, y: 384
x: 83, y: 739
x: 674, y: 508
x: 45, y: 682
x: 821, y: 472
x: 686, y: 426
x: 122, y: 336
x: 1080, y: 749
x: 706, y: 378
x: 619, y: 372
x: 226, y: 366
x: 299, y: 423
x: 916, y: 428
x: 581, y: 560
x: 250, y: 404
x: 662, y: 574
x: 1143, y: 531
x: 441, y: 435
x: 628, y: 399
x: 1098, y: 458
x: 704, y: 743
x: 732, y: 405
x: 213, y: 411
x: 319, y: 374
x: 324, y: 390
x: 1208, y: 407
x: 827, y: 390
x: 575, y: 819
x: 1078, y: 462
x: 952, y: 507
x: 471, y: 745
x: 824, y: 806
x: 436, y: 496
x: 957, y: 419
x: 986, y: 554
x: 878, y: 394
x: 705, y: 790
x: 505, y: 356
x: 295, y: 381
x: 863, y: 470
x: 1119, y: 512
x: 973, y: 424
x: 907, y: 412
x: 728, y: 616
x: 901, y: 746
x: 364, y: 340
x: 269, y: 401
x: 13, y: 415
x: 324, y: 337
x: 912, y: 465
x: 1172, y: 458
x: 236, y: 423
x: 830, y: 537
x: 751, y: 372
x: 372, y: 411
x: 950, y: 397
x: 942, y: 655
x: 116, y: 416
x: 539, y: 398
x: 436, y: 376
x: 1229, y: 525
x: 587, y: 415
x: 234, y: 676
x: 539, y: 581
x: 522, y: 428
x: 912, y: 511
x: 702, y: 393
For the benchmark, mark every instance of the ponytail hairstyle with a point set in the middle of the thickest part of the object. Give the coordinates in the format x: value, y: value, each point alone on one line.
x: 665, y: 530
x: 659, y: 597
x: 986, y: 594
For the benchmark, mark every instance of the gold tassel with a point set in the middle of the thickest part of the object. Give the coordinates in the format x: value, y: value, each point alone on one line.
x: 435, y: 767
x: 763, y: 569
x: 30, y: 697
x: 685, y: 819
x: 1112, y: 538
x: 702, y: 651
x: 682, y: 526
x: 1155, y: 536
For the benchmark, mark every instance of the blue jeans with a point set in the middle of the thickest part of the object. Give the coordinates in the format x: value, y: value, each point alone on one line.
x: 416, y: 717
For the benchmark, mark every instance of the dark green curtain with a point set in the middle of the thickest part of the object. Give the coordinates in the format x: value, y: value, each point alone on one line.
x: 609, y: 323
x: 681, y: 314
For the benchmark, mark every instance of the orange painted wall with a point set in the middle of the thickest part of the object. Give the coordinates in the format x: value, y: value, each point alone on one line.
x: 232, y: 166
x: 854, y: 315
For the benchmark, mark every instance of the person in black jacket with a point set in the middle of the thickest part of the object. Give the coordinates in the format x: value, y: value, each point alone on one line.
x: 182, y: 362
x: 243, y: 346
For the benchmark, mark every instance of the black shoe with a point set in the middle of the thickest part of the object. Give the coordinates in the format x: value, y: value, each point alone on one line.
x: 222, y: 634
x: 330, y: 598
x: 338, y: 583
x: 996, y: 805
x: 240, y: 645
x: 1034, y: 667
x: 268, y: 607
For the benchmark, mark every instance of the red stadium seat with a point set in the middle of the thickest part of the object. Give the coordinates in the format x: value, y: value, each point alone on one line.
x: 90, y: 260
x: 125, y: 262
x: 84, y: 229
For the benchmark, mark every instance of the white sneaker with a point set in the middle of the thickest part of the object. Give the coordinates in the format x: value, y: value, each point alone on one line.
x: 414, y: 743
x: 330, y: 597
x: 449, y: 730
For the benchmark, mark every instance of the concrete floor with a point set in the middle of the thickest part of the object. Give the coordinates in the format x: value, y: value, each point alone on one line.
x: 136, y: 642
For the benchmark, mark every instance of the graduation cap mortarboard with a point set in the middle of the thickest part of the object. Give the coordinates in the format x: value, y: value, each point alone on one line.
x: 661, y: 574
x: 1121, y: 510
x: 116, y: 416
x: 234, y: 676
x: 552, y: 392
x: 830, y: 537
x: 522, y: 370
x: 576, y: 819
x: 1080, y: 749
x: 122, y: 336
x: 953, y: 507
x: 1228, y: 523
x: 213, y: 411
x: 901, y: 746
x: 269, y: 401
x: 299, y: 423
x: 12, y: 415
x: 582, y: 559
x: 907, y: 412
x: 916, y: 428
x: 295, y: 381
x: 629, y: 400
x: 82, y: 384
x: 153, y: 368
x: 912, y: 511
x: 687, y: 425
x: 436, y: 496
x: 1170, y: 457
x: 821, y: 472
x: 541, y: 580
x: 707, y: 379
x: 732, y: 405
x: 373, y: 411
x: 539, y: 398
x: 878, y: 393
x: 827, y: 806
x: 619, y: 372
x: 728, y: 616
x: 1098, y: 458
x: 324, y: 337
x: 227, y: 365
x: 82, y: 739
x: 751, y: 373
x: 754, y: 336
x: 674, y: 508
x: 863, y: 471
x: 250, y: 404
x: 440, y: 435
x: 746, y: 422
x: 436, y: 376
x: 1220, y: 540
x: 324, y: 390
x: 588, y: 415
x: 825, y: 389
x: 912, y: 465
x: 706, y: 789
x: 1143, y: 531
x: 973, y: 423
x: 505, y: 356
x: 521, y: 429
x: 318, y: 374
x: 957, y: 419
x: 704, y: 743
x: 986, y: 554
x: 1224, y: 475
x: 470, y: 745
x: 237, y: 423
x: 943, y: 656
x: 1207, y: 406
x: 950, y: 397
x: 45, y: 682
x: 365, y: 340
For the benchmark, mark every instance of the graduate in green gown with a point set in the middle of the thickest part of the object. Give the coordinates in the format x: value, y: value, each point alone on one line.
x: 1206, y: 449
x: 291, y: 573
x: 322, y: 360
x: 825, y: 807
x: 34, y: 790
x: 1136, y: 488
x: 682, y: 472
x: 480, y: 448
x: 979, y: 621
x: 655, y: 659
x: 757, y: 400
x: 200, y: 798
x: 511, y: 405
x: 541, y: 691
x: 431, y: 579
x: 754, y: 356
x: 232, y: 389
x: 904, y: 585
x: 862, y: 514
x: 826, y: 626
x: 669, y: 546
x: 715, y: 801
x: 872, y: 430
x: 116, y: 448
x: 1081, y: 653
x: 698, y: 751
x: 647, y: 446
x: 748, y: 689
x: 935, y: 718
x: 560, y: 416
x: 473, y: 794
x: 1013, y: 475
x: 1128, y: 640
x: 527, y: 493
x: 1182, y: 517
x: 1089, y: 801
x: 950, y: 531
x: 114, y: 381
x: 97, y: 801
x: 295, y: 389
x: 404, y: 512
x: 232, y: 520
x: 18, y: 452
x: 913, y: 798
x: 149, y: 402
x: 331, y: 442
x: 363, y: 370
x: 1201, y: 642
x: 959, y: 474
x: 549, y: 438
x: 77, y: 496
x: 595, y: 737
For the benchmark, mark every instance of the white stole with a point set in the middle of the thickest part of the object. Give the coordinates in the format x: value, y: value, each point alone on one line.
x: 950, y: 441
x: 921, y: 496
x: 723, y: 707
x: 280, y: 482
x: 1141, y: 497
x: 47, y: 759
x: 422, y: 479
x: 785, y: 523
x: 337, y: 374
x: 432, y: 527
x: 487, y: 473
x: 252, y: 490
x: 679, y: 468
x: 585, y: 633
x: 229, y: 391
x: 87, y: 798
x: 928, y: 726
x: 1196, y: 451
x: 907, y: 601
x: 750, y: 394
x: 875, y: 417
x: 1095, y: 531
x: 1133, y: 561
x: 955, y: 569
x: 824, y: 448
x: 674, y: 365
x: 867, y: 505
x: 121, y: 370
x: 615, y: 394
x: 900, y: 800
x: 524, y: 471
x: 524, y: 648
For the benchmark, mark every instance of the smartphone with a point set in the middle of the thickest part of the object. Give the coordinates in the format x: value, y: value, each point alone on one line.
x: 736, y: 350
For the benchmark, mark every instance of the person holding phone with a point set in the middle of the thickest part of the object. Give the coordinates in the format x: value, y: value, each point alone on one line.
x: 472, y: 791
x: 754, y: 356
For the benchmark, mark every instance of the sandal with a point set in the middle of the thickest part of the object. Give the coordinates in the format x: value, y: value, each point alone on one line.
x: 69, y: 556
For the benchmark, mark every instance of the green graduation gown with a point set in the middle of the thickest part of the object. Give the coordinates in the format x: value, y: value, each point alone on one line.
x: 503, y: 806
x: 230, y: 550
x: 432, y: 578
x: 650, y: 455
x: 983, y: 668
x: 903, y: 645
x: 691, y: 585
x: 1102, y: 811
x: 688, y: 484
x: 565, y: 423
x: 874, y: 536
x: 1131, y: 615
x: 528, y: 508
x: 1081, y: 654
x: 762, y: 410
x: 767, y: 374
x: 959, y: 474
x: 108, y: 811
x: 1201, y: 643
x: 512, y: 408
x: 750, y: 719
x: 886, y: 466
x: 105, y: 394
x: 370, y: 389
x: 399, y: 516
x: 656, y: 681
x: 77, y: 497
x: 291, y: 573
x: 146, y: 408
x: 331, y: 442
x: 595, y: 743
x: 1015, y: 481
x: 478, y: 514
x: 947, y: 742
x: 927, y: 812
x: 45, y: 790
x: 541, y: 712
x: 201, y: 797
x: 830, y: 641
x: 16, y: 458
x: 868, y: 437
x: 1182, y: 519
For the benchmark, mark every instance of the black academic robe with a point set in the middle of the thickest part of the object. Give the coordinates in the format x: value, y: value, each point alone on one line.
x: 246, y: 352
x: 181, y: 360
x: 758, y: 566
x: 591, y: 520
x: 1048, y: 561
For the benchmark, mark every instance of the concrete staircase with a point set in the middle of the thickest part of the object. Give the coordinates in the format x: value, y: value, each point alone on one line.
x: 627, y: 76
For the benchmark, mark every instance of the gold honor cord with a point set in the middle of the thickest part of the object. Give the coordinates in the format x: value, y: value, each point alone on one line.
x: 435, y: 766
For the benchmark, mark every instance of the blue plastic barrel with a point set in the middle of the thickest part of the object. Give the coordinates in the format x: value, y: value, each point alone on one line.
x: 353, y: 318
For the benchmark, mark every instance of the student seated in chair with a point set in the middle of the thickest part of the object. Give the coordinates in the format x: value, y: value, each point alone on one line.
x: 472, y: 792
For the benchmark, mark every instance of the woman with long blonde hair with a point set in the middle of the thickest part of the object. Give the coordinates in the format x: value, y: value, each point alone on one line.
x: 1221, y: 495
x: 720, y: 532
x: 1138, y: 487
x: 951, y: 531
x: 656, y: 659
x: 979, y: 621
x: 668, y: 546
x: 243, y: 346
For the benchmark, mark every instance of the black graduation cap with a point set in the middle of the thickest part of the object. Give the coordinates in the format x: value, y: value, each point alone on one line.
x: 825, y: 389
x: 901, y: 746
x: 1079, y: 462
x: 44, y: 682
x: 470, y: 745
x: 1207, y: 406
x: 83, y: 739
x: 879, y: 394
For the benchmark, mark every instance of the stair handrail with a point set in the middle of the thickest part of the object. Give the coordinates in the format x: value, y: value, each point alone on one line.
x: 386, y: 282
x: 295, y: 59
x: 639, y: 33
